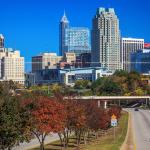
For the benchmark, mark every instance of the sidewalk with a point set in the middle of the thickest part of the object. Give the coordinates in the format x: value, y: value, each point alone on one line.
x: 34, y: 143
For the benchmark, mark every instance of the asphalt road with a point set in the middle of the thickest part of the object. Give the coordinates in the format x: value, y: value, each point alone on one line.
x: 141, y: 129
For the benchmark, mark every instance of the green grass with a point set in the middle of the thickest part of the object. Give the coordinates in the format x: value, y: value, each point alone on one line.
x: 106, y: 142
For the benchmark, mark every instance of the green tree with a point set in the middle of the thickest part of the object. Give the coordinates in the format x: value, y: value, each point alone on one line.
x: 106, y: 86
x: 133, y: 81
x: 121, y: 73
x: 12, y: 123
x: 82, y: 84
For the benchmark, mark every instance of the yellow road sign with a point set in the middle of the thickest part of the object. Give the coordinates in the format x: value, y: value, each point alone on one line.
x: 113, y: 117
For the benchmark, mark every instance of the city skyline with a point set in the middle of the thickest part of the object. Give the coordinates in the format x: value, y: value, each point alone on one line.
x: 35, y: 30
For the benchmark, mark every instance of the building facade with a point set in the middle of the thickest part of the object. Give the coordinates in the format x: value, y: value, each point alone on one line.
x: 12, y: 66
x: 146, y: 45
x: 70, y: 57
x: 73, y: 39
x: 29, y: 79
x: 141, y: 61
x: 105, y: 39
x: 128, y: 46
x: 70, y: 76
x: 1, y: 41
x: 83, y: 60
x: 45, y: 61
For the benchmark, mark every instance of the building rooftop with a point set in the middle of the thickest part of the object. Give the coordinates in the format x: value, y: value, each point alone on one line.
x: 64, y: 18
x: 130, y: 38
x: 1, y: 36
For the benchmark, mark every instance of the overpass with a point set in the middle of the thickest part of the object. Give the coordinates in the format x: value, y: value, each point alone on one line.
x: 113, y: 99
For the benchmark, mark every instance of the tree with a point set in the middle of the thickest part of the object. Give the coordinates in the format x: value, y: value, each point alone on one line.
x: 82, y: 84
x: 133, y: 80
x: 75, y: 120
x: 115, y: 110
x: 97, y: 118
x: 47, y: 115
x: 121, y: 73
x: 13, y: 123
x: 106, y: 86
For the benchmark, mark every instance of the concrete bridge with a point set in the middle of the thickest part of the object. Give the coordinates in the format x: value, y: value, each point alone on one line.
x: 119, y: 100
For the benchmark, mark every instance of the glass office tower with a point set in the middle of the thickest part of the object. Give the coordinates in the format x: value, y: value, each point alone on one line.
x: 73, y: 39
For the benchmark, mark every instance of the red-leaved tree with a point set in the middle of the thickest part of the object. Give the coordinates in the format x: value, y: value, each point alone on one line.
x: 47, y: 115
x: 115, y: 110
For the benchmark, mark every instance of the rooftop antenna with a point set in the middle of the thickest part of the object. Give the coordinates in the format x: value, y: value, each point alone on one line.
x: 64, y: 12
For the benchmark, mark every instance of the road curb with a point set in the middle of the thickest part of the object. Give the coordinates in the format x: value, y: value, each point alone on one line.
x: 128, y: 143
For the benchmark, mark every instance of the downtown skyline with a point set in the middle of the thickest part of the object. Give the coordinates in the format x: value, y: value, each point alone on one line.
x: 36, y: 30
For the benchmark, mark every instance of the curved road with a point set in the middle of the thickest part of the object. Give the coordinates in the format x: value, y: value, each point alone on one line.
x: 141, y: 128
x: 34, y: 143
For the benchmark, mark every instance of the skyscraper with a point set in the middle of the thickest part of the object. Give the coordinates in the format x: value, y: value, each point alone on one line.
x: 128, y: 46
x: 1, y: 41
x: 64, y: 24
x: 73, y: 39
x: 106, y: 39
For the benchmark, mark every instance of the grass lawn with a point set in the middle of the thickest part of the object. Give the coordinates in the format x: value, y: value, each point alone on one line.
x: 106, y: 142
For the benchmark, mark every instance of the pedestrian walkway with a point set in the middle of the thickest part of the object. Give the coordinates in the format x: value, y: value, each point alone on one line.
x: 34, y: 143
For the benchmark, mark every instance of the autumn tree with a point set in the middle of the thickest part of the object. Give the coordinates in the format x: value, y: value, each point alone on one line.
x: 46, y: 116
x: 115, y: 110
x: 97, y: 118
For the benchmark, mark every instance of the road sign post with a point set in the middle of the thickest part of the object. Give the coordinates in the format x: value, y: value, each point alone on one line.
x: 114, y: 124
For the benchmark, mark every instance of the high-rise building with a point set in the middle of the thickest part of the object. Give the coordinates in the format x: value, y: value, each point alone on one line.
x: 128, y: 46
x: 45, y: 61
x: 12, y: 66
x: 105, y: 39
x: 140, y: 61
x: 1, y: 41
x: 64, y: 24
x: 73, y: 39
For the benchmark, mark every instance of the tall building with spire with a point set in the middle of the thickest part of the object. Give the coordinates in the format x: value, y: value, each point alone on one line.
x: 1, y: 41
x: 73, y: 39
x: 64, y: 24
x: 105, y: 39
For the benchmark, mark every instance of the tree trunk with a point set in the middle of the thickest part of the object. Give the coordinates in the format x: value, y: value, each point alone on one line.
x: 61, y: 140
x: 42, y: 146
x: 85, y: 138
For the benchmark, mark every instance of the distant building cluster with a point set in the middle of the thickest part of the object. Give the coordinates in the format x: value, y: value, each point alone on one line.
x: 84, y: 54
x: 11, y: 64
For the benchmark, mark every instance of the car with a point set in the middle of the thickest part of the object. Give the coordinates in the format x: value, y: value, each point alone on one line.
x: 136, y: 109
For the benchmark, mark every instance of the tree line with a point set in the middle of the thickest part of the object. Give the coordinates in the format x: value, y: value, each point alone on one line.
x: 121, y: 83
x: 25, y: 117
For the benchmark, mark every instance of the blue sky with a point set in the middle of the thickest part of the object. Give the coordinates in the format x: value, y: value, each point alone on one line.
x: 32, y: 26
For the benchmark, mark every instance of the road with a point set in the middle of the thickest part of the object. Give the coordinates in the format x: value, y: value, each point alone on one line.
x: 141, y: 129
x: 34, y: 143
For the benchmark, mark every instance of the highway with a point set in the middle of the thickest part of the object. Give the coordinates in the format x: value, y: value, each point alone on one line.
x: 141, y: 129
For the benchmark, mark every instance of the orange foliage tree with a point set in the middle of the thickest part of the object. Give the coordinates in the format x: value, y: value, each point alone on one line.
x: 47, y: 115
